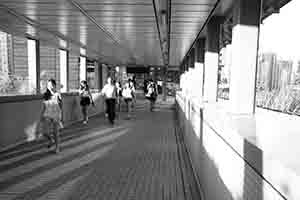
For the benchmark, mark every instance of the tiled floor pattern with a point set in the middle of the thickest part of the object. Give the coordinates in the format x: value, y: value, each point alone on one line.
x: 141, y: 158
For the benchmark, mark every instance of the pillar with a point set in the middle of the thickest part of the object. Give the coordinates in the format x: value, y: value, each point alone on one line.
x: 246, y: 21
x: 211, y: 59
x: 199, y: 65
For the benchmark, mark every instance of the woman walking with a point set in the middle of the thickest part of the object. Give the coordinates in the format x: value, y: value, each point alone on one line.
x: 51, y: 115
x: 119, y: 97
x: 110, y: 93
x: 85, y: 100
x: 128, y: 95
x: 151, y: 94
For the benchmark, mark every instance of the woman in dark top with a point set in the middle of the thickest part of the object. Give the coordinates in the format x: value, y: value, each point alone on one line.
x: 85, y: 100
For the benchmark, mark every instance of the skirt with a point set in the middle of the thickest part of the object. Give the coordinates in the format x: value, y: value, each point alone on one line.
x: 48, y: 126
x: 85, y: 101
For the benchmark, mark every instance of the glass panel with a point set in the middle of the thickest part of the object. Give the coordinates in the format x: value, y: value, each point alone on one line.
x: 17, y: 65
x: 278, y: 71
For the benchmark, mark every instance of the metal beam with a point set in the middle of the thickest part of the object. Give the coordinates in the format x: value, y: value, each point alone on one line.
x: 158, y: 29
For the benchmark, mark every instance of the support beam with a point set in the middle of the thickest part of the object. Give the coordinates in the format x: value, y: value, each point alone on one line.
x: 244, y: 56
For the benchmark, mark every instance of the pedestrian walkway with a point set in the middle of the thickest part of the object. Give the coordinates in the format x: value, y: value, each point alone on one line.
x: 141, y: 158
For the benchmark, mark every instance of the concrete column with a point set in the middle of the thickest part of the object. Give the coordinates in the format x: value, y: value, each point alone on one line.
x: 244, y: 56
x: 211, y: 59
x: 199, y: 64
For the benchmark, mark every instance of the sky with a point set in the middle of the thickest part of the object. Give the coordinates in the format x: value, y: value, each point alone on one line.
x: 280, y: 33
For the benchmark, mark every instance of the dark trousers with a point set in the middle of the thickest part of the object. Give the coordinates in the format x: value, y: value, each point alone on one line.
x: 111, y: 109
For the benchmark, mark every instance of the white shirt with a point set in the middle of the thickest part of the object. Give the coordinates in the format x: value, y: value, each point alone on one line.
x: 127, y: 93
x: 52, y: 108
x: 109, y: 91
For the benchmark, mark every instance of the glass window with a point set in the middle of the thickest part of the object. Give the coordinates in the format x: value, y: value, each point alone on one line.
x: 49, y: 67
x: 278, y: 70
x: 17, y: 65
x: 74, y: 65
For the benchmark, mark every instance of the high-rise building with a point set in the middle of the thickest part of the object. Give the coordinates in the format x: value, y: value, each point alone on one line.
x: 285, y: 73
x: 268, y: 72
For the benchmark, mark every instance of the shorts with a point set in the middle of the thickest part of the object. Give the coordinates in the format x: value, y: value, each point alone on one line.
x: 85, y: 101
x: 127, y: 100
x: 151, y: 98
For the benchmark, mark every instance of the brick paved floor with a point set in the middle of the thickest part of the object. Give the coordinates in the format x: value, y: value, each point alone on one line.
x: 141, y: 158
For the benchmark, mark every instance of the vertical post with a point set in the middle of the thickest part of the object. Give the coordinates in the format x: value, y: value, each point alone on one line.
x: 244, y: 56
x: 212, y: 59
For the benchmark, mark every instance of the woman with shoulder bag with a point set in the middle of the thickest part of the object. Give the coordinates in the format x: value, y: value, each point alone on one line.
x: 85, y: 100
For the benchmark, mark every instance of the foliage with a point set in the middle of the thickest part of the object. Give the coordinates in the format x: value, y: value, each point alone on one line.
x: 285, y: 100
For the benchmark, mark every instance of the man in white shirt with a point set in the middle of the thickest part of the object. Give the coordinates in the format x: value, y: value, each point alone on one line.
x: 110, y: 93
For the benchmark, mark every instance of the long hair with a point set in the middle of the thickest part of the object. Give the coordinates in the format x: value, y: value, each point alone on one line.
x: 48, y: 94
x: 86, y: 86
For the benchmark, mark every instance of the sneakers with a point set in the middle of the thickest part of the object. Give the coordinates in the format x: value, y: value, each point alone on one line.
x: 85, y: 122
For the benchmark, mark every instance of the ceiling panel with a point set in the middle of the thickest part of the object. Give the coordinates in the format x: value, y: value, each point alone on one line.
x: 118, y: 31
x: 187, y: 19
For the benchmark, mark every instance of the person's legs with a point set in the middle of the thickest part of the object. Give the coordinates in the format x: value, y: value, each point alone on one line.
x: 152, y: 105
x: 56, y: 138
x: 128, y: 107
x: 107, y: 107
x: 111, y: 110
x: 84, y: 113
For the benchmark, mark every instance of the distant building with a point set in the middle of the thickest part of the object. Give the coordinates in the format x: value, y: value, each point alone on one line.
x: 268, y: 72
x: 285, y: 73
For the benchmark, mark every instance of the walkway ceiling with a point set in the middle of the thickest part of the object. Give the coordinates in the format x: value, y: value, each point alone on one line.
x: 115, y: 31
